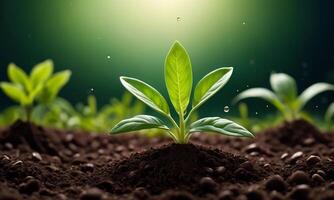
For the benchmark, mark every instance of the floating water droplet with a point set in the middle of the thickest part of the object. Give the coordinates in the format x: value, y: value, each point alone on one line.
x: 316, y: 106
x: 237, y: 90
x: 226, y: 109
x: 267, y: 106
x: 109, y: 57
x: 91, y: 90
x: 247, y: 86
x: 256, y: 113
x: 178, y: 18
x: 243, y: 23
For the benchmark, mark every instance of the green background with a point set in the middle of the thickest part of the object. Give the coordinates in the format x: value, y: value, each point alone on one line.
x: 102, y: 39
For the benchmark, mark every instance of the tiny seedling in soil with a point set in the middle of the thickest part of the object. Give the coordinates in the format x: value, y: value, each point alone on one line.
x: 40, y: 86
x: 179, y: 80
x: 284, y: 95
x: 329, y: 116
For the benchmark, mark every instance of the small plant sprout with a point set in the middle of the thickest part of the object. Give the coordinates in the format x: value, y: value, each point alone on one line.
x: 40, y: 86
x: 284, y: 95
x: 179, y: 80
x: 329, y: 115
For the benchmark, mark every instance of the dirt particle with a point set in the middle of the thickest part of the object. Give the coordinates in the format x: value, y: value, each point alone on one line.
x: 284, y: 156
x: 298, y: 177
x: 29, y: 187
x: 37, y: 156
x: 92, y: 194
x: 312, y: 160
x: 141, y: 193
x: 220, y: 170
x: 317, y: 179
x: 226, y: 195
x: 207, y: 184
x: 276, y: 183
x: 300, y: 192
x: 296, y: 156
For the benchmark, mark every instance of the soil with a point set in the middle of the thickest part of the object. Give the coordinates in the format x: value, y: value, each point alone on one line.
x: 292, y: 161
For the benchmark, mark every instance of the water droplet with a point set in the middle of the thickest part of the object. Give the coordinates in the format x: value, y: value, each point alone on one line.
x: 256, y: 113
x: 247, y: 86
x: 91, y: 90
x: 237, y: 90
x: 243, y: 23
x: 109, y: 57
x: 317, y: 106
x: 178, y: 18
x: 226, y: 109
x: 267, y: 106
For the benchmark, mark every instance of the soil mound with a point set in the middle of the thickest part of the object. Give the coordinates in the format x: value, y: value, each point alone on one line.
x: 298, y: 132
x: 180, y: 166
x: 30, y: 135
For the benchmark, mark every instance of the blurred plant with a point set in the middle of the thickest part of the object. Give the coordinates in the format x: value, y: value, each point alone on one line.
x: 284, y: 96
x: 329, y: 116
x: 178, y: 78
x: 10, y: 115
x: 87, y: 117
x: 41, y: 86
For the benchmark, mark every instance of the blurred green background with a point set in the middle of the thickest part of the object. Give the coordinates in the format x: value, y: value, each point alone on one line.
x: 103, y: 39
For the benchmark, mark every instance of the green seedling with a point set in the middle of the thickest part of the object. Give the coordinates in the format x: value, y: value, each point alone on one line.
x: 284, y: 95
x: 87, y: 117
x: 40, y: 86
x: 179, y: 80
x: 329, y: 116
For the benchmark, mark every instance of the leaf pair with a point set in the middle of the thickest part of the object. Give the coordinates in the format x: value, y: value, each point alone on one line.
x: 178, y: 79
x: 285, y: 95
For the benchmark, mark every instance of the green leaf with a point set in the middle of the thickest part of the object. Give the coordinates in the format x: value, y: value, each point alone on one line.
x: 329, y: 113
x: 284, y: 86
x: 92, y: 104
x: 178, y: 77
x: 35, y: 92
x: 262, y: 93
x: 313, y: 91
x: 146, y: 94
x: 137, y: 123
x: 55, y: 84
x: 210, y: 84
x: 15, y: 92
x: 41, y: 72
x: 219, y: 125
x: 18, y: 76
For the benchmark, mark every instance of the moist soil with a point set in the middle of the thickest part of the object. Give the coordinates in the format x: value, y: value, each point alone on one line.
x: 292, y: 161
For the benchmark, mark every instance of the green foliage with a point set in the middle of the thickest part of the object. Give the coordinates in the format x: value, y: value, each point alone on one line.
x: 284, y: 96
x: 329, y: 116
x: 178, y: 79
x: 87, y: 117
x: 40, y: 86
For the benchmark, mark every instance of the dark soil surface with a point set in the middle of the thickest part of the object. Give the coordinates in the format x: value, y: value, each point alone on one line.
x: 293, y: 161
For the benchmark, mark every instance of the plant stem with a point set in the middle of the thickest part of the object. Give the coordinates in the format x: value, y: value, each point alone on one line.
x: 28, y: 110
x: 181, y: 132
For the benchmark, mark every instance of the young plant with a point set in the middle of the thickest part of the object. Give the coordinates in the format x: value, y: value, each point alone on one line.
x: 329, y: 116
x: 41, y: 85
x: 284, y: 95
x: 179, y: 80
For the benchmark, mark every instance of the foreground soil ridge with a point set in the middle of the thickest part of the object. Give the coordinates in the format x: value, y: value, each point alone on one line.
x: 291, y: 161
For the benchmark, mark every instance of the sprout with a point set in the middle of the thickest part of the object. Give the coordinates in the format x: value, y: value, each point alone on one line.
x: 41, y: 85
x: 179, y: 80
x: 284, y: 95
x: 329, y: 115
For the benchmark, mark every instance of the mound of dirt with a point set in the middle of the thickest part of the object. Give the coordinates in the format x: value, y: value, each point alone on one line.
x: 297, y: 132
x: 30, y: 135
x: 180, y: 166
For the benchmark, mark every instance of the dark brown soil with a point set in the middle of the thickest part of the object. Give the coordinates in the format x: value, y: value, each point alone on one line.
x: 293, y: 161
